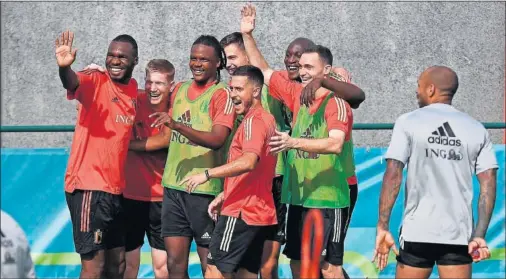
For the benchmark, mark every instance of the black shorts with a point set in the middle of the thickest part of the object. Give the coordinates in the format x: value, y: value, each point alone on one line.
x: 425, y: 255
x: 353, y: 197
x: 236, y: 245
x: 277, y: 232
x: 143, y: 217
x: 186, y: 215
x: 97, y: 220
x: 353, y: 201
x: 335, y: 226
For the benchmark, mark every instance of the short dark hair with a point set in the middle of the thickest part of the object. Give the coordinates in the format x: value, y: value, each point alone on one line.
x: 211, y: 41
x: 128, y: 39
x: 253, y: 73
x: 162, y: 66
x: 323, y: 52
x: 232, y: 38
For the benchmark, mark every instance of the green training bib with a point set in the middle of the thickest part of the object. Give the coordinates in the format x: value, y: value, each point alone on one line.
x: 186, y: 158
x: 314, y: 180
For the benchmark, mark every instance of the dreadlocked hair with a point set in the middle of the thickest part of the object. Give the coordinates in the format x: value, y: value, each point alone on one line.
x: 211, y: 41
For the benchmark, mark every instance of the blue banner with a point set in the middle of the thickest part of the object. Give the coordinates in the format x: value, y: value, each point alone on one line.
x: 32, y: 192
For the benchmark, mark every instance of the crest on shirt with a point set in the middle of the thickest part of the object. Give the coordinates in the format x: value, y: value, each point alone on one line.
x: 134, y: 103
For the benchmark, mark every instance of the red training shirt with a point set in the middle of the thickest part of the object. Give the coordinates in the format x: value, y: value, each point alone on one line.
x: 102, y: 133
x: 250, y: 194
x: 144, y: 170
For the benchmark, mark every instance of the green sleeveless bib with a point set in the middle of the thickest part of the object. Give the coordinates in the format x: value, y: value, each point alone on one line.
x: 186, y: 158
x: 314, y: 180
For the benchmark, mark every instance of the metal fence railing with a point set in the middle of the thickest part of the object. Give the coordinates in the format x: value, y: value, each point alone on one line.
x: 70, y: 128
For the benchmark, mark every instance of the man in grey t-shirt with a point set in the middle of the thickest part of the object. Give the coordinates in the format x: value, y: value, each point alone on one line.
x: 15, y: 252
x: 442, y: 148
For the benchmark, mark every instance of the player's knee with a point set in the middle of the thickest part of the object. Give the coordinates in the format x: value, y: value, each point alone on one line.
x: 116, y: 270
x: 131, y: 265
x: 161, y: 271
x: 173, y: 264
x: 89, y: 271
x: 268, y: 269
x: 92, y: 265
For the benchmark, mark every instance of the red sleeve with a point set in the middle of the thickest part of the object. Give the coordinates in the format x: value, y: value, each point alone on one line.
x: 173, y: 97
x: 221, y: 109
x: 336, y: 115
x: 85, y: 92
x: 254, y: 136
x: 284, y: 89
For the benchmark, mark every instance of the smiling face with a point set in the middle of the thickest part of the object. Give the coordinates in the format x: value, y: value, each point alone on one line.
x: 120, y: 61
x: 292, y: 57
x: 158, y: 87
x: 311, y: 67
x: 242, y: 93
x: 236, y: 57
x: 203, y: 63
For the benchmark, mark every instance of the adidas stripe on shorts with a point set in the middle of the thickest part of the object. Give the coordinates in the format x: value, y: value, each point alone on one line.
x: 235, y: 245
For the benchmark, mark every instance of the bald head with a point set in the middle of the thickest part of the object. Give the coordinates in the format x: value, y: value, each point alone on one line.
x: 443, y: 78
x: 304, y: 43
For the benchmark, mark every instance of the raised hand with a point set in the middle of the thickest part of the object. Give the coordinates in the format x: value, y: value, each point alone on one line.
x: 248, y: 16
x: 65, y: 55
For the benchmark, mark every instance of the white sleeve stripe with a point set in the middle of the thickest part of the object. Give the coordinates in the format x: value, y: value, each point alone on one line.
x: 341, y: 106
x: 249, y: 128
x: 228, y: 106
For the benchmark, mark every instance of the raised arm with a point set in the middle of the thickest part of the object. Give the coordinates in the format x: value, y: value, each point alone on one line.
x: 65, y: 56
x: 248, y: 17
